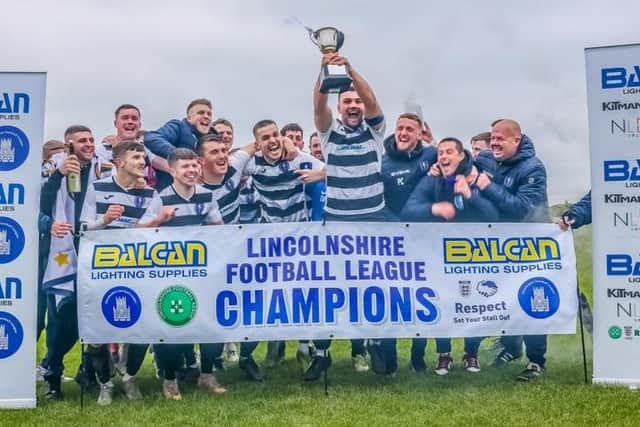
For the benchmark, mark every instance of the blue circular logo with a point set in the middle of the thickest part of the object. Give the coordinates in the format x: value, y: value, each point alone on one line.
x: 11, y: 335
x: 121, y: 307
x: 14, y: 148
x: 539, y: 298
x: 284, y: 167
x: 11, y: 240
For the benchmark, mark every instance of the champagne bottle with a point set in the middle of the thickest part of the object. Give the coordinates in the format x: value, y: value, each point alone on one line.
x: 73, y: 179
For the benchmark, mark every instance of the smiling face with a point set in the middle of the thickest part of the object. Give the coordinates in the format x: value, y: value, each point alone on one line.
x: 226, y: 132
x: 296, y: 137
x: 408, y: 133
x: 83, y: 144
x: 186, y: 172
x: 131, y: 164
x: 351, y: 108
x: 479, y: 145
x: 127, y: 123
x: 504, y: 141
x: 199, y: 115
x: 215, y: 158
x: 449, y: 157
x: 269, y: 142
x: 315, y: 148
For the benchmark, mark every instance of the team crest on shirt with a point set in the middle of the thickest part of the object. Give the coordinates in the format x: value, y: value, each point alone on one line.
x: 531, y: 180
x: 284, y: 167
x: 199, y: 208
x: 508, y: 181
x: 229, y: 185
x: 423, y: 166
x: 139, y: 202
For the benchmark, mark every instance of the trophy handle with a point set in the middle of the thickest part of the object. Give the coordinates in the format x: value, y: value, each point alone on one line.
x: 313, y: 38
x: 339, y: 40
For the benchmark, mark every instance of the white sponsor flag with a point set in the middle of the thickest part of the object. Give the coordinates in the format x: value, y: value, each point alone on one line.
x: 613, y: 100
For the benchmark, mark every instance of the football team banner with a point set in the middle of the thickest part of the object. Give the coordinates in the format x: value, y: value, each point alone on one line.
x: 339, y: 280
x: 22, y: 100
x: 613, y: 96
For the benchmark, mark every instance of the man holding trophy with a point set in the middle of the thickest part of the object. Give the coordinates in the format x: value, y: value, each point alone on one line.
x: 352, y: 146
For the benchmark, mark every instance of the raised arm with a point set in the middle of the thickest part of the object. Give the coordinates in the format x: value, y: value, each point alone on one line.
x: 163, y: 141
x: 365, y: 92
x: 321, y: 111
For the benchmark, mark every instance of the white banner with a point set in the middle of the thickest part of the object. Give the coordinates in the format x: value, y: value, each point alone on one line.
x: 309, y: 281
x: 613, y: 94
x: 22, y: 97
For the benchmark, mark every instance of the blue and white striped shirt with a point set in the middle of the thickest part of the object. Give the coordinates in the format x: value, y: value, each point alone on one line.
x: 105, y: 192
x: 282, y: 194
x: 354, y: 164
x: 199, y: 209
x: 227, y: 192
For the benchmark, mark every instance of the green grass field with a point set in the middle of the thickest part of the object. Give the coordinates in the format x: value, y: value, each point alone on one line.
x: 491, y: 397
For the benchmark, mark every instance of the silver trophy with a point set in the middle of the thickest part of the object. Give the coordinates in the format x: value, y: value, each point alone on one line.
x: 333, y: 78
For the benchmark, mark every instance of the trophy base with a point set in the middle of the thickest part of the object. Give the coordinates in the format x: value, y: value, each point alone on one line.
x: 334, y: 79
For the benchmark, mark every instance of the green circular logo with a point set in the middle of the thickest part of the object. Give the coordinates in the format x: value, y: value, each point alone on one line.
x: 615, y: 332
x: 177, y: 305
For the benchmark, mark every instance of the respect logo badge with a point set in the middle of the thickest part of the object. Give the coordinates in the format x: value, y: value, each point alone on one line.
x: 177, y: 305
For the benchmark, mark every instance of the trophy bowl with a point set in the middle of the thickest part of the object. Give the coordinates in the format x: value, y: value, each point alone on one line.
x: 328, y: 39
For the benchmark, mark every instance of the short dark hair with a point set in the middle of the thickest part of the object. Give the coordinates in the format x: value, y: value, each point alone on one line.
x: 199, y: 101
x: 291, y: 127
x: 181, y: 154
x: 411, y: 116
x: 315, y: 133
x: 126, y: 145
x: 483, y: 136
x: 261, y: 124
x: 221, y: 121
x: 127, y: 107
x: 456, y: 141
x: 210, y: 137
x: 75, y: 129
x: 349, y: 89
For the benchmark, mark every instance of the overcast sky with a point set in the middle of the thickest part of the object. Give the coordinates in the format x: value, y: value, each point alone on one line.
x: 466, y: 63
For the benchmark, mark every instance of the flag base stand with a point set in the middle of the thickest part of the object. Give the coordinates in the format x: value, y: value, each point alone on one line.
x: 584, y: 350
